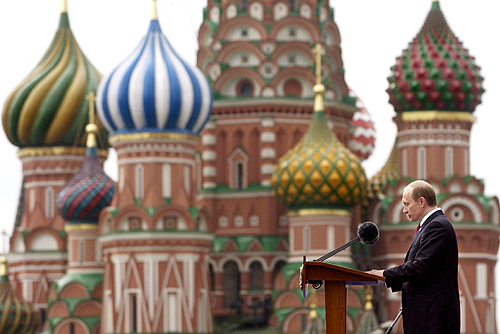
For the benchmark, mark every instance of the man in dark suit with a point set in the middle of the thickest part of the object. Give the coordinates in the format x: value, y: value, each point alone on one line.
x: 429, y: 276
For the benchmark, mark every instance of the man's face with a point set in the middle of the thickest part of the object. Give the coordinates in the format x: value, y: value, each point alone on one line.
x: 412, y: 209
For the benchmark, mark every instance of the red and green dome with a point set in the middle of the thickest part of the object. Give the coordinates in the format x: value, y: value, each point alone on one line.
x: 319, y: 172
x: 89, y: 191
x: 435, y: 72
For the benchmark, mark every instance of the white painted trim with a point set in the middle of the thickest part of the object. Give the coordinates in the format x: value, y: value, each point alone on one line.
x: 153, y: 160
x: 44, y: 183
x: 231, y: 195
x: 268, y: 137
x: 468, y: 294
x: 208, y: 155
x: 36, y: 256
x: 209, y: 171
x: 267, y: 169
x: 155, y: 236
x: 209, y: 139
x: 268, y: 153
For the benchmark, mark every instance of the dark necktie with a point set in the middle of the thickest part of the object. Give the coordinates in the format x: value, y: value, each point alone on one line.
x: 416, y: 229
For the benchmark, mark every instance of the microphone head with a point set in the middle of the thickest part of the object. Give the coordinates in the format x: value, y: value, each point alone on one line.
x: 368, y: 233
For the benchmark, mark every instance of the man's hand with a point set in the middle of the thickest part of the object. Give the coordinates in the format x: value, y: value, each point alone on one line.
x: 375, y: 272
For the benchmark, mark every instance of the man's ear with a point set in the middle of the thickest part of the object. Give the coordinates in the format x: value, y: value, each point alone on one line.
x: 421, y: 200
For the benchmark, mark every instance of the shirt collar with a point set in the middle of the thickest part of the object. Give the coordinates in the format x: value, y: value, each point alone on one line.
x: 427, y: 216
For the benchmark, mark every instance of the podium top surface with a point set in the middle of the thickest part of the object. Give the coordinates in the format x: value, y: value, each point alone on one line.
x: 321, y: 271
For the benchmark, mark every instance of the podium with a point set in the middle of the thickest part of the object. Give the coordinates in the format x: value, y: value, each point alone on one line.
x: 335, y: 278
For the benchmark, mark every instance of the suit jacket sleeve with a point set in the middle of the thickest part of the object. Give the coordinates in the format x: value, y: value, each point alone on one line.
x: 424, y: 256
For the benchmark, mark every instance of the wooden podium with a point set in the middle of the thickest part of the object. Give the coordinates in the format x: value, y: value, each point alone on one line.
x: 335, y: 279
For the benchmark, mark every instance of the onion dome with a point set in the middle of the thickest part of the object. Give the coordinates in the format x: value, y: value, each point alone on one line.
x: 368, y: 322
x: 435, y: 72
x: 89, y: 191
x: 154, y: 90
x: 48, y: 107
x: 319, y: 172
x: 362, y: 130
x: 389, y: 172
x: 16, y: 316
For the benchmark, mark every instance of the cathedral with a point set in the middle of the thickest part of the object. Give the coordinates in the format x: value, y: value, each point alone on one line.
x: 229, y: 172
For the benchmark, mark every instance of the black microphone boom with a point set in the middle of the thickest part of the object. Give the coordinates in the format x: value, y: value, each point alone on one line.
x: 367, y: 234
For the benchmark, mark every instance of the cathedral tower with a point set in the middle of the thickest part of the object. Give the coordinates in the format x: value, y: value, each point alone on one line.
x: 257, y: 55
x: 45, y: 116
x: 154, y: 237
x: 435, y: 87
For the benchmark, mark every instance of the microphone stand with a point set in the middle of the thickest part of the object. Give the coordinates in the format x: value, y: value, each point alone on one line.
x: 394, y: 322
x: 335, y: 251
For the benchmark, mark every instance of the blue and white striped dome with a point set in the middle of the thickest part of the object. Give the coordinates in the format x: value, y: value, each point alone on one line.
x: 154, y: 90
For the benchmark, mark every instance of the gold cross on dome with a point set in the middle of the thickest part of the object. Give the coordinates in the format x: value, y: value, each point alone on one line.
x: 91, y: 98
x: 154, y: 12
x: 319, y: 51
x: 4, y: 242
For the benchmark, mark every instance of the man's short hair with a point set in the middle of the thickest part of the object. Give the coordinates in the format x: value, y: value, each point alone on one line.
x: 423, y: 189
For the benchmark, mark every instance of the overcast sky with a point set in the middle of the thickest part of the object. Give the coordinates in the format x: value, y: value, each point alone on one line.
x: 373, y: 34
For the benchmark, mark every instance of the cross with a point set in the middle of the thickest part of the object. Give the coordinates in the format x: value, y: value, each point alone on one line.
x: 91, y: 98
x: 318, y: 51
x: 64, y: 6
x: 154, y: 13
x: 4, y: 242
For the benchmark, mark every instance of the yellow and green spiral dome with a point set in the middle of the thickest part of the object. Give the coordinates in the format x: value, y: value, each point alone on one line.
x: 319, y: 172
x: 49, y: 108
x: 16, y: 316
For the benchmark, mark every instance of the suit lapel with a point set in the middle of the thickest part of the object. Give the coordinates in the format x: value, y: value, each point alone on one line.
x: 417, y: 236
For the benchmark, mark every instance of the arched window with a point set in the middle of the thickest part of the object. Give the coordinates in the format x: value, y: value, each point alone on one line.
x: 133, y: 312
x: 49, y: 202
x: 256, y: 276
x: 244, y: 88
x: 404, y: 162
x: 277, y: 269
x: 166, y: 180
x: 211, y: 274
x: 231, y: 286
x: 421, y: 163
x: 187, y: 179
x: 238, y: 174
x: 139, y: 181
x: 448, y: 162
x: 466, y: 162
x: 293, y: 87
x: 244, y: 6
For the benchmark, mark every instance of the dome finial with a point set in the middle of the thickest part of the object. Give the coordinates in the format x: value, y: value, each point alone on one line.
x: 64, y: 6
x: 154, y: 13
x: 91, y: 128
x: 318, y: 88
x: 319, y: 52
x: 4, y: 242
x: 3, y: 259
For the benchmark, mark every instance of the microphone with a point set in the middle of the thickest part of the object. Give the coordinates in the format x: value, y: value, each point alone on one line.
x: 367, y: 234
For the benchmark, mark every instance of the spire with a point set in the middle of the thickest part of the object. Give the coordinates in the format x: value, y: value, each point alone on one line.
x: 3, y: 259
x: 154, y: 12
x: 64, y: 6
x: 318, y: 88
x: 91, y: 128
x: 368, y: 322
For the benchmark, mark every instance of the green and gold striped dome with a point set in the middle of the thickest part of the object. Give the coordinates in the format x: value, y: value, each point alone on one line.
x: 48, y: 108
x: 319, y: 171
x: 16, y: 316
